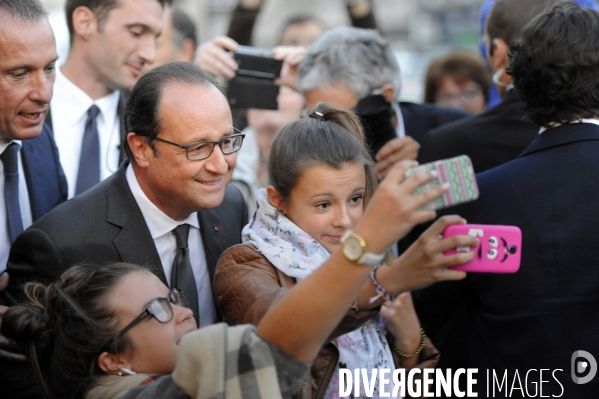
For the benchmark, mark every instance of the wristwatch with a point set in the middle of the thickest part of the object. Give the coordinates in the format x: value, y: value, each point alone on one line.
x: 354, y: 249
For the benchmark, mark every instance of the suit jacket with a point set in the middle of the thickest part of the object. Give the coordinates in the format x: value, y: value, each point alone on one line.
x: 376, y: 116
x: 105, y: 224
x: 538, y: 317
x: 420, y: 119
x: 46, y: 183
x: 47, y: 187
x: 491, y: 138
x: 120, y: 114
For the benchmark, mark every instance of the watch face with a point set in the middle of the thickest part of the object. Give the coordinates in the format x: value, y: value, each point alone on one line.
x: 352, y: 248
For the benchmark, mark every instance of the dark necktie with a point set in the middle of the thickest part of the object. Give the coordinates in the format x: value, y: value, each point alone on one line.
x: 89, y: 162
x: 10, y: 160
x: 182, y: 274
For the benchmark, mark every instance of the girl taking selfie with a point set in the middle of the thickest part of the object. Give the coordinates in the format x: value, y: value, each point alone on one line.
x: 322, y: 179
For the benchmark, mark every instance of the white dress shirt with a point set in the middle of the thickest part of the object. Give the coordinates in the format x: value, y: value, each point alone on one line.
x: 69, y: 108
x: 161, y: 228
x: 24, y: 205
x: 401, y: 129
x: 584, y: 120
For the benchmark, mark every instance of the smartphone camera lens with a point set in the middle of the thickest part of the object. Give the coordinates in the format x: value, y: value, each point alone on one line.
x: 512, y: 249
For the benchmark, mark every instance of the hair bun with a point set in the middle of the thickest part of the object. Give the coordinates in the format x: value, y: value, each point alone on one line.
x: 31, y: 322
x: 346, y: 119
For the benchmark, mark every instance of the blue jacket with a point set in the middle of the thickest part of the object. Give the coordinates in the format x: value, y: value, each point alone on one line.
x: 46, y: 182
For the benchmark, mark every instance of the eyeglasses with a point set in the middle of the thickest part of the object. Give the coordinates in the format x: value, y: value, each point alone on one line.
x: 159, y: 308
x: 203, y: 149
x: 463, y: 97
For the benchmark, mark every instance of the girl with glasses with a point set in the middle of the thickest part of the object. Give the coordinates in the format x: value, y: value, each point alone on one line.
x: 322, y: 178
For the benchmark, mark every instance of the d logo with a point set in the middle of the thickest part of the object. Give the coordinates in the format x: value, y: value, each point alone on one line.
x: 589, y: 364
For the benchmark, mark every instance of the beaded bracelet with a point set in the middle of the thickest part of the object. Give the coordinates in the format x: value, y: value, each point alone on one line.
x: 422, y: 342
x: 379, y: 289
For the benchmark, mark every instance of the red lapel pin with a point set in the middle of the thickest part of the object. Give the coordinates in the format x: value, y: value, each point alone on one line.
x: 216, y: 228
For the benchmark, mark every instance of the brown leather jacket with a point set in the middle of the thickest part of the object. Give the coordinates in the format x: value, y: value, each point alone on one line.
x: 246, y: 285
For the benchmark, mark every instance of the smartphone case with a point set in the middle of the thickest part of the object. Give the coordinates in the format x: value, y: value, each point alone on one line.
x: 458, y: 172
x: 499, y: 250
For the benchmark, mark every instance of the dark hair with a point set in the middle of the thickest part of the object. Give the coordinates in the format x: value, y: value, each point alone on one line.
x: 24, y: 10
x: 184, y: 28
x: 141, y: 114
x: 460, y: 66
x: 333, y: 139
x: 555, y: 65
x: 507, y: 18
x: 65, y: 326
x: 100, y: 8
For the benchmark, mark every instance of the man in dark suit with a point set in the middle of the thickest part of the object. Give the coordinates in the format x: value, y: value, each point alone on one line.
x: 494, y: 137
x: 356, y: 69
x: 539, y: 317
x: 31, y: 181
x: 501, y: 133
x: 181, y: 159
x: 32, y: 177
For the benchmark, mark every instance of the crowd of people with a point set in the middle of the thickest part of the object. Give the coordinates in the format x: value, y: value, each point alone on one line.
x: 158, y: 243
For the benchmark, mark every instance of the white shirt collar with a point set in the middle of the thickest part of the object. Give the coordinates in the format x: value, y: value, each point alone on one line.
x: 78, y: 102
x: 4, y: 144
x: 401, y: 129
x: 157, y: 221
x: 584, y: 120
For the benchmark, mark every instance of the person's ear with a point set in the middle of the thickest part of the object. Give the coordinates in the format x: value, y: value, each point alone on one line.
x: 140, y: 149
x: 187, y: 52
x: 112, y: 364
x: 499, y: 57
x: 388, y: 92
x: 274, y: 198
x: 85, y: 23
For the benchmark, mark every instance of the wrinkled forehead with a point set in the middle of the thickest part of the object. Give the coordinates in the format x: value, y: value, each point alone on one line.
x: 27, y: 44
x: 194, y: 111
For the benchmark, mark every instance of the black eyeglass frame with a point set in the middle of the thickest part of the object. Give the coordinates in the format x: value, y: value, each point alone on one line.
x: 186, y: 147
x: 176, y: 296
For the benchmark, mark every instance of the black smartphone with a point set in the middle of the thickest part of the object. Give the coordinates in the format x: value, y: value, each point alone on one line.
x: 376, y: 115
x: 257, y: 63
x: 253, y: 85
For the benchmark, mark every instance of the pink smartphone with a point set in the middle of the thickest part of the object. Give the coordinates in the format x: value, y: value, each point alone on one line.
x: 498, y: 252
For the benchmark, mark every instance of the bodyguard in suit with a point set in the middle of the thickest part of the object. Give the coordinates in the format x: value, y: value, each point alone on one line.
x: 540, y: 316
x: 169, y: 209
x: 111, y: 41
x: 356, y: 69
x: 501, y: 133
x: 31, y: 179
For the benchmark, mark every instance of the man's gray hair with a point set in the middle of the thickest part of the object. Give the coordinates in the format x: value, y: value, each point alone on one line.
x: 360, y: 58
x: 23, y: 10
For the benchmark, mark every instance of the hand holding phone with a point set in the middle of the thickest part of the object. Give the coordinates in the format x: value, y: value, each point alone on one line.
x: 499, y: 248
x: 458, y: 173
